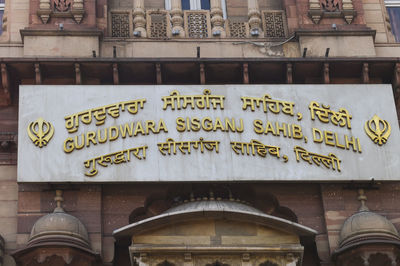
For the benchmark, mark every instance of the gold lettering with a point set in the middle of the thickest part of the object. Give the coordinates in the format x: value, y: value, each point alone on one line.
x: 150, y: 124
x: 241, y: 128
x: 162, y: 126
x: 68, y: 145
x: 125, y: 128
x: 180, y: 124
x: 269, y: 128
x: 337, y: 142
x: 90, y: 138
x: 196, y: 124
x: 348, y: 143
x: 99, y: 139
x: 297, y: 132
x: 280, y: 129
x: 206, y: 123
x: 77, y: 145
x: 218, y: 125
x: 329, y: 138
x: 112, y: 136
x: 318, y: 139
x: 258, y: 126
x: 139, y: 129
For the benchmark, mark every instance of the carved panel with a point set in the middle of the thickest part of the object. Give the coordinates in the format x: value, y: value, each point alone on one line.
x: 197, y: 24
x: 61, y: 5
x: 218, y: 260
x: 120, y: 24
x: 158, y: 24
x: 274, y: 23
x: 331, y: 5
x: 237, y: 29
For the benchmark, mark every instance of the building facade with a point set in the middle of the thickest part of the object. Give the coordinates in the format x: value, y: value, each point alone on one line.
x: 214, y: 207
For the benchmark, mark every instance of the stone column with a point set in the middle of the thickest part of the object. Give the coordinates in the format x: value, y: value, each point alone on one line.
x: 177, y: 19
x: 139, y: 21
x: 254, y: 18
x: 217, y: 19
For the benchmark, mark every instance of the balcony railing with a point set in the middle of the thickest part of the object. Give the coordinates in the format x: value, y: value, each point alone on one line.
x: 197, y: 25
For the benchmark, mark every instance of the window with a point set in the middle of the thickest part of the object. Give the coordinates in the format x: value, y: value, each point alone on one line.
x: 196, y: 5
x: 393, y: 9
x: 2, y: 4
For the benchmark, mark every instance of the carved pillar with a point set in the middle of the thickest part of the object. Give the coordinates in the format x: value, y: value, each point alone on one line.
x: 325, y: 73
x: 78, y: 76
x: 177, y: 19
x: 78, y: 10
x: 289, y: 73
x: 139, y: 20
x: 365, y: 73
x: 38, y: 75
x: 217, y: 19
x: 44, y: 10
x: 254, y: 18
x: 315, y: 11
x: 158, y: 74
x: 246, y: 73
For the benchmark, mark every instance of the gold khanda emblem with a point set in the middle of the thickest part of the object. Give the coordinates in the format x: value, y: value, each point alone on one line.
x: 40, y: 132
x: 378, y: 130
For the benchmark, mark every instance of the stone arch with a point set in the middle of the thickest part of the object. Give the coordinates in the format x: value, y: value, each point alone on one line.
x: 165, y: 263
x: 217, y: 263
x: 379, y: 259
x: 216, y: 230
x: 159, y: 202
x: 268, y: 263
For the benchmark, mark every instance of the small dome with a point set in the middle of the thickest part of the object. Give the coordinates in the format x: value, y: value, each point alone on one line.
x: 61, y: 227
x: 366, y: 226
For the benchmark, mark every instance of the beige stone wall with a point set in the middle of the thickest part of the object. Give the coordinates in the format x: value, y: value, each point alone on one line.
x: 212, y: 232
x: 18, y: 18
x: 375, y: 17
x: 341, y: 46
x: 62, y: 46
x: 8, y: 209
x: 208, y: 49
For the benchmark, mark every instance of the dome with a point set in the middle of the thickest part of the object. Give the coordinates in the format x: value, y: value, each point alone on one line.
x: 61, y: 227
x: 366, y: 227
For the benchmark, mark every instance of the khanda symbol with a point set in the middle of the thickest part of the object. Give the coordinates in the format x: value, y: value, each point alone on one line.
x: 378, y: 130
x: 40, y: 132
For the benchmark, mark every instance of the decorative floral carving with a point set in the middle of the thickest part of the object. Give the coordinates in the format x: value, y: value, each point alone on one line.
x: 331, y: 5
x: 62, y: 5
x: 120, y: 25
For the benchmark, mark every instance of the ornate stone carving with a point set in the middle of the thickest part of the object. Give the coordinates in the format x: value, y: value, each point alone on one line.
x: 331, y: 8
x: 315, y: 11
x: 330, y: 5
x: 78, y: 10
x: 44, y: 10
x: 217, y: 21
x: 197, y: 24
x: 274, y: 24
x: 254, y: 18
x: 120, y: 25
x: 176, y: 18
x: 348, y: 11
x: 157, y: 24
x: 238, y: 29
x: 61, y: 5
x: 139, y: 20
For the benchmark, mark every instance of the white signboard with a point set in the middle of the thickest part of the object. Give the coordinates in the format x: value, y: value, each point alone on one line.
x: 207, y: 133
